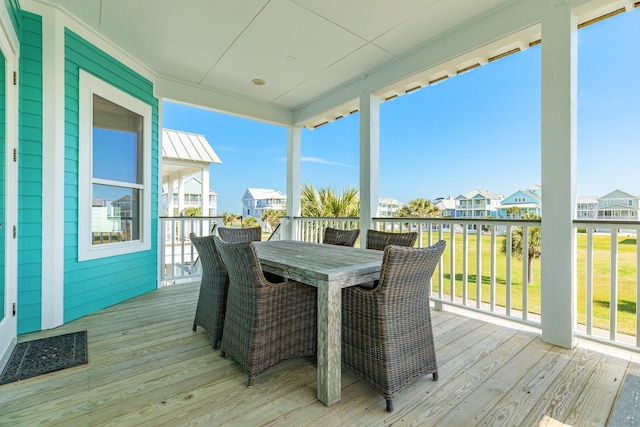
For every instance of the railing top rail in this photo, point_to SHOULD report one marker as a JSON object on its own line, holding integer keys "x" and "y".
{"x": 483, "y": 221}
{"x": 607, "y": 222}
{"x": 329, "y": 218}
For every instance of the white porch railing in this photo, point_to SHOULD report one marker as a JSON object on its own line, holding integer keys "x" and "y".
{"x": 476, "y": 273}
{"x": 176, "y": 252}
{"x": 608, "y": 285}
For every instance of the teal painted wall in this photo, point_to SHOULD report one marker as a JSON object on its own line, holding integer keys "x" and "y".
{"x": 30, "y": 174}
{"x": 92, "y": 285}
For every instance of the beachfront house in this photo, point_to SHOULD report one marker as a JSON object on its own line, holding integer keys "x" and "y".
{"x": 389, "y": 206}
{"x": 256, "y": 201}
{"x": 82, "y": 84}
{"x": 526, "y": 202}
{"x": 478, "y": 204}
{"x": 587, "y": 207}
{"x": 188, "y": 194}
{"x": 618, "y": 205}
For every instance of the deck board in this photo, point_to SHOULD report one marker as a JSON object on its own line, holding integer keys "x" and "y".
{"x": 147, "y": 367}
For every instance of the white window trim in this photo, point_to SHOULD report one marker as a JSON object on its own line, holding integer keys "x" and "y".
{"x": 88, "y": 86}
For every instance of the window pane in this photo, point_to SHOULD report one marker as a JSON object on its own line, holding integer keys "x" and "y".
{"x": 117, "y": 142}
{"x": 115, "y": 214}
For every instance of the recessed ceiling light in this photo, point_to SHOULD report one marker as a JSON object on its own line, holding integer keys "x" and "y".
{"x": 259, "y": 82}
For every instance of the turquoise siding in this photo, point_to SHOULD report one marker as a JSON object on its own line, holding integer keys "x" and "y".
{"x": 92, "y": 285}
{"x": 30, "y": 174}
{"x": 3, "y": 125}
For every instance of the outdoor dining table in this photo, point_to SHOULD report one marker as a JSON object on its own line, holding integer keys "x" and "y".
{"x": 329, "y": 268}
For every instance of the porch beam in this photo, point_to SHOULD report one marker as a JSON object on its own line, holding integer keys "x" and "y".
{"x": 369, "y": 162}
{"x": 559, "y": 115}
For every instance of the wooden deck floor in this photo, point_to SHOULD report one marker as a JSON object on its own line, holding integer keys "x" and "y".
{"x": 146, "y": 367}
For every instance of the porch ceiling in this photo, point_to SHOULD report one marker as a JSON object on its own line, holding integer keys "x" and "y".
{"x": 303, "y": 49}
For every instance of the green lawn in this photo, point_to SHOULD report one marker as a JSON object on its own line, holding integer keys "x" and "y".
{"x": 601, "y": 278}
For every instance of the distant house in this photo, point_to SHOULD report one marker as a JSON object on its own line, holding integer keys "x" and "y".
{"x": 528, "y": 201}
{"x": 257, "y": 200}
{"x": 587, "y": 207}
{"x": 446, "y": 206}
{"x": 184, "y": 156}
{"x": 387, "y": 207}
{"x": 478, "y": 204}
{"x": 618, "y": 205}
{"x": 191, "y": 198}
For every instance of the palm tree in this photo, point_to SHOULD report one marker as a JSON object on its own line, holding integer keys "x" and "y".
{"x": 249, "y": 222}
{"x": 228, "y": 218}
{"x": 533, "y": 251}
{"x": 513, "y": 211}
{"x": 326, "y": 203}
{"x": 418, "y": 208}
{"x": 272, "y": 216}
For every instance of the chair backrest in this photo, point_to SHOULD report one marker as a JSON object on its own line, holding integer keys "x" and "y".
{"x": 236, "y": 235}
{"x": 243, "y": 265}
{"x": 407, "y": 271}
{"x": 208, "y": 253}
{"x": 333, "y": 236}
{"x": 381, "y": 239}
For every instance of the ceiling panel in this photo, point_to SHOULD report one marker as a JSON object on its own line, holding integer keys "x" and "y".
{"x": 182, "y": 40}
{"x": 368, "y": 19}
{"x": 285, "y": 45}
{"x": 432, "y": 22}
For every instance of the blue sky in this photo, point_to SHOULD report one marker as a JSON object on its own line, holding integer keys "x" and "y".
{"x": 480, "y": 129}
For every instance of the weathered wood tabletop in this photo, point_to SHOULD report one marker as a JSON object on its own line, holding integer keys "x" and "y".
{"x": 329, "y": 268}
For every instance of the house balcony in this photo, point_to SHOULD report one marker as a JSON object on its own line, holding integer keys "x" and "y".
{"x": 147, "y": 367}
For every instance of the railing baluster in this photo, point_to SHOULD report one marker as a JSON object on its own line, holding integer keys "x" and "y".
{"x": 441, "y": 268}
{"x": 493, "y": 270}
{"x": 525, "y": 272}
{"x": 479, "y": 267}
{"x": 589, "y": 281}
{"x": 508, "y": 271}
{"x": 465, "y": 265}
{"x": 452, "y": 250}
{"x": 613, "y": 301}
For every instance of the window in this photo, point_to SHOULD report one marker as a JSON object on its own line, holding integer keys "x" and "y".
{"x": 114, "y": 171}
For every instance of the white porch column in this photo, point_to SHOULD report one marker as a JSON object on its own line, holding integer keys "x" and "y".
{"x": 294, "y": 136}
{"x": 369, "y": 162}
{"x": 181, "y": 196}
{"x": 559, "y": 114}
{"x": 204, "y": 178}
{"x": 53, "y": 169}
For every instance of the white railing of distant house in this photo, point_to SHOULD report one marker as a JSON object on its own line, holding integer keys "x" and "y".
{"x": 179, "y": 257}
{"x": 608, "y": 285}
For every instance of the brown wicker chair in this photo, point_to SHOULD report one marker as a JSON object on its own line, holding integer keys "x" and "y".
{"x": 213, "y": 289}
{"x": 386, "y": 331}
{"x": 381, "y": 239}
{"x": 334, "y": 236}
{"x": 265, "y": 322}
{"x": 236, "y": 235}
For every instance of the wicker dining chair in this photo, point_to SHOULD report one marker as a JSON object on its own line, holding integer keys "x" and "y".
{"x": 214, "y": 283}
{"x": 265, "y": 322}
{"x": 334, "y": 236}
{"x": 236, "y": 235}
{"x": 381, "y": 239}
{"x": 386, "y": 331}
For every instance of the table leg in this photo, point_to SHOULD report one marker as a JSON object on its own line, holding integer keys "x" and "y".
{"x": 329, "y": 342}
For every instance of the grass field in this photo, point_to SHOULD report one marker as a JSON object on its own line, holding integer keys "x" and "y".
{"x": 601, "y": 278}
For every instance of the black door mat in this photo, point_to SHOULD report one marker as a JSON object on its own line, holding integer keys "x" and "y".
{"x": 32, "y": 358}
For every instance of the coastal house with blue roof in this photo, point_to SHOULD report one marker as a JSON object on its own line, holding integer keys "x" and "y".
{"x": 526, "y": 202}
